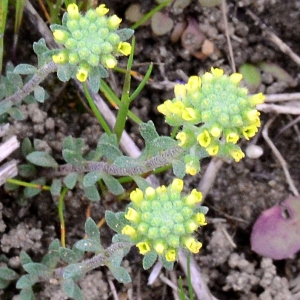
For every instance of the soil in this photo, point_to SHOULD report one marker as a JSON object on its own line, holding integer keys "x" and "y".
{"x": 241, "y": 191}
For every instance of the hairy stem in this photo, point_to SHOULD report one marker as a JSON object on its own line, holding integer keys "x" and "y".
{"x": 37, "y": 78}
{"x": 161, "y": 160}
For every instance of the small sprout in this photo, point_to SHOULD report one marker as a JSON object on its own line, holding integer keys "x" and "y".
{"x": 254, "y": 151}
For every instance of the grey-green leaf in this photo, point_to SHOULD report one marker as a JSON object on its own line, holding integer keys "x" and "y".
{"x": 72, "y": 157}
{"x": 95, "y": 79}
{"x": 116, "y": 221}
{"x": 30, "y": 192}
{"x": 8, "y": 274}
{"x": 42, "y": 159}
{"x": 16, "y": 113}
{"x": 91, "y": 178}
{"x": 65, "y": 72}
{"x": 70, "y": 256}
{"x": 74, "y": 271}
{"x": 39, "y": 94}
{"x": 37, "y": 269}
{"x": 120, "y": 274}
{"x": 92, "y": 193}
{"x": 72, "y": 290}
{"x": 88, "y": 245}
{"x": 25, "y": 69}
{"x": 5, "y": 106}
{"x": 70, "y": 180}
{"x": 25, "y": 258}
{"x": 113, "y": 184}
{"x": 26, "y": 294}
{"x": 26, "y": 147}
{"x": 178, "y": 168}
{"x": 55, "y": 187}
{"x": 26, "y": 281}
{"x": 92, "y": 230}
{"x": 125, "y": 34}
{"x": 149, "y": 259}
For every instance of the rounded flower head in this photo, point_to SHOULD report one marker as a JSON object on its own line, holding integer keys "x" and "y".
{"x": 162, "y": 220}
{"x": 216, "y": 109}
{"x": 92, "y": 39}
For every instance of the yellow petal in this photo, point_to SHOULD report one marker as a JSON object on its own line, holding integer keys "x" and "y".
{"x": 193, "y": 84}
{"x": 129, "y": 230}
{"x": 171, "y": 255}
{"x": 204, "y": 138}
{"x": 237, "y": 154}
{"x": 193, "y": 198}
{"x": 101, "y": 10}
{"x": 136, "y": 196}
{"x": 217, "y": 72}
{"x": 124, "y": 48}
{"x": 200, "y": 218}
{"x": 192, "y": 244}
{"x": 235, "y": 78}
{"x": 177, "y": 185}
{"x": 143, "y": 247}
{"x": 132, "y": 215}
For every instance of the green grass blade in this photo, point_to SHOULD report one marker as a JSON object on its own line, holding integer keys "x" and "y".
{"x": 3, "y": 15}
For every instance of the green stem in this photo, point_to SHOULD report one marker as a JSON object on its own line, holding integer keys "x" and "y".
{"x": 95, "y": 110}
{"x": 125, "y": 99}
{"x": 61, "y": 201}
{"x": 28, "y": 184}
{"x": 161, "y": 160}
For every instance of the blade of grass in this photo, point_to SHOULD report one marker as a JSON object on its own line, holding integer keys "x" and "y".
{"x": 115, "y": 101}
{"x": 3, "y": 15}
{"x": 20, "y": 4}
{"x": 150, "y": 14}
{"x": 142, "y": 83}
{"x": 125, "y": 99}
{"x": 95, "y": 110}
{"x": 61, "y": 205}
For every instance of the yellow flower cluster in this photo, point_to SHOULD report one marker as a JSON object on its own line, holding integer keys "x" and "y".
{"x": 214, "y": 113}
{"x": 162, "y": 220}
{"x": 90, "y": 40}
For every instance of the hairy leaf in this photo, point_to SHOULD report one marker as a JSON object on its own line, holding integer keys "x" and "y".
{"x": 149, "y": 259}
{"x": 70, "y": 256}
{"x": 91, "y": 178}
{"x": 113, "y": 184}
{"x": 95, "y": 79}
{"x": 120, "y": 274}
{"x": 116, "y": 221}
{"x": 26, "y": 281}
{"x": 25, "y": 69}
{"x": 72, "y": 157}
{"x": 92, "y": 193}
{"x": 8, "y": 274}
{"x": 55, "y": 187}
{"x": 70, "y": 180}
{"x": 39, "y": 94}
{"x": 42, "y": 159}
{"x": 125, "y": 34}
{"x": 72, "y": 290}
{"x": 30, "y": 191}
{"x": 26, "y": 294}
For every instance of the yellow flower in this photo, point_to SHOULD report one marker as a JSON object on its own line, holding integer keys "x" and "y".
{"x": 235, "y": 78}
{"x": 190, "y": 169}
{"x": 237, "y": 154}
{"x": 200, "y": 218}
{"x": 73, "y": 11}
{"x": 176, "y": 107}
{"x": 252, "y": 115}
{"x": 249, "y": 131}
{"x": 124, "y": 48}
{"x": 180, "y": 91}
{"x": 191, "y": 226}
{"x": 143, "y": 247}
{"x": 193, "y": 198}
{"x": 150, "y": 192}
{"x": 217, "y": 72}
{"x": 164, "y": 108}
{"x": 215, "y": 131}
{"x": 60, "y": 35}
{"x": 136, "y": 196}
{"x": 132, "y": 215}
{"x": 160, "y": 247}
{"x": 232, "y": 137}
{"x": 60, "y": 58}
{"x": 212, "y": 150}
{"x": 101, "y": 10}
{"x": 129, "y": 230}
{"x": 114, "y": 21}
{"x": 193, "y": 84}
{"x": 82, "y": 73}
{"x": 161, "y": 189}
{"x": 257, "y": 99}
{"x": 177, "y": 185}
{"x": 182, "y": 136}
{"x": 192, "y": 244}
{"x": 110, "y": 62}
{"x": 189, "y": 114}
{"x": 204, "y": 138}
{"x": 171, "y": 255}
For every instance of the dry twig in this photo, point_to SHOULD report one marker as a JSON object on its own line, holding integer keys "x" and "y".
{"x": 279, "y": 157}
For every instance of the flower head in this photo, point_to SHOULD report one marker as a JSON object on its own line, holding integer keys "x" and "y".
{"x": 162, "y": 220}
{"x": 92, "y": 39}
{"x": 215, "y": 111}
